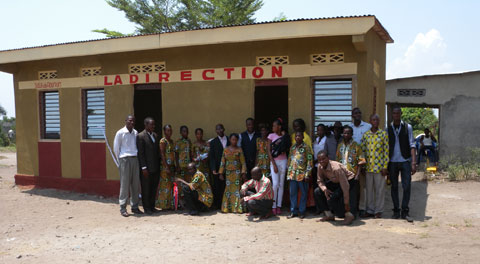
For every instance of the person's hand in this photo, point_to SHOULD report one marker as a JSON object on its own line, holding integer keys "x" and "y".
{"x": 306, "y": 179}
{"x": 215, "y": 172}
{"x": 328, "y": 193}
{"x": 191, "y": 187}
{"x": 220, "y": 176}
{"x": 243, "y": 192}
{"x": 275, "y": 168}
{"x": 384, "y": 172}
{"x": 145, "y": 173}
{"x": 414, "y": 168}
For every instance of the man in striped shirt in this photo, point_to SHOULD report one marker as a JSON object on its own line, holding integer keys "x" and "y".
{"x": 261, "y": 201}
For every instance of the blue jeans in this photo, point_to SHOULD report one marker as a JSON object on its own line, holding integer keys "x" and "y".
{"x": 405, "y": 168}
{"x": 294, "y": 186}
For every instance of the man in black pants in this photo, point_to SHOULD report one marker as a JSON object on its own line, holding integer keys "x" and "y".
{"x": 215, "y": 155}
{"x": 198, "y": 194}
{"x": 248, "y": 142}
{"x": 336, "y": 191}
{"x": 261, "y": 200}
{"x": 149, "y": 162}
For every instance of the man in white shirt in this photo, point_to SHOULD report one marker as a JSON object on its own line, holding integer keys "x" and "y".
{"x": 125, "y": 148}
{"x": 359, "y": 128}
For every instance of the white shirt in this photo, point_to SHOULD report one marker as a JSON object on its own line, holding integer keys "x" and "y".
{"x": 223, "y": 140}
{"x": 125, "y": 143}
{"x": 397, "y": 152}
{"x": 151, "y": 136}
{"x": 240, "y": 138}
{"x": 358, "y": 131}
{"x": 318, "y": 146}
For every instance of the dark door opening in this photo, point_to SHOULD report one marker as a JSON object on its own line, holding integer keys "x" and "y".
{"x": 147, "y": 102}
{"x": 271, "y": 102}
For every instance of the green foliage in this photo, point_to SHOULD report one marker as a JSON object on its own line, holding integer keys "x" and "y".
{"x": 463, "y": 169}
{"x": 420, "y": 118}
{"x": 154, "y": 16}
{"x": 2, "y": 111}
{"x": 280, "y": 17}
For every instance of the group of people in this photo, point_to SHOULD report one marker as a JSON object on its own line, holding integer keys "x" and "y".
{"x": 344, "y": 167}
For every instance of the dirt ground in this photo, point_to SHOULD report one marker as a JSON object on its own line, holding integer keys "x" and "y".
{"x": 49, "y": 226}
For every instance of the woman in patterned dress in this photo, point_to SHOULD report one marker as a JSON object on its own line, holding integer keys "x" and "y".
{"x": 232, "y": 170}
{"x": 200, "y": 155}
{"x": 264, "y": 154}
{"x": 183, "y": 153}
{"x": 167, "y": 170}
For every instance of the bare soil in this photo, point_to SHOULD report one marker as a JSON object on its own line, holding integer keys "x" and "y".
{"x": 50, "y": 226}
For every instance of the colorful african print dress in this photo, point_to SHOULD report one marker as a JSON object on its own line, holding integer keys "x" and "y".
{"x": 203, "y": 188}
{"x": 201, "y": 153}
{"x": 183, "y": 148}
{"x": 263, "y": 161}
{"x": 165, "y": 187}
{"x": 232, "y": 166}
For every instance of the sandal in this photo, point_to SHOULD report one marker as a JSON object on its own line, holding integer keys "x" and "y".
{"x": 124, "y": 214}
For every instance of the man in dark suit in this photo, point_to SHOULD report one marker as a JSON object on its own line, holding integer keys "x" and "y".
{"x": 248, "y": 142}
{"x": 216, "y": 151}
{"x": 149, "y": 161}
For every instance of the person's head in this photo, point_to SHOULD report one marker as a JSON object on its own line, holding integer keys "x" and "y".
{"x": 322, "y": 158}
{"x": 256, "y": 173}
{"x": 130, "y": 122}
{"x": 167, "y": 131}
{"x": 277, "y": 126}
{"x": 356, "y": 114}
{"x": 220, "y": 130}
{"x": 184, "y": 131}
{"x": 427, "y": 132}
{"x": 149, "y": 124}
{"x": 191, "y": 168}
{"x": 337, "y": 127}
{"x": 321, "y": 130}
{"x": 347, "y": 133}
{"x": 199, "y": 134}
{"x": 263, "y": 130}
{"x": 397, "y": 113}
{"x": 375, "y": 121}
{"x": 299, "y": 125}
{"x": 250, "y": 124}
{"x": 299, "y": 137}
{"x": 233, "y": 139}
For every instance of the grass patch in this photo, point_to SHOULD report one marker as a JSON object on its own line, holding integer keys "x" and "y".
{"x": 424, "y": 235}
{"x": 468, "y": 222}
{"x": 424, "y": 225}
{"x": 11, "y": 148}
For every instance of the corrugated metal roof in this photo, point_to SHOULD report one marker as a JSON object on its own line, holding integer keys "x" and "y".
{"x": 380, "y": 30}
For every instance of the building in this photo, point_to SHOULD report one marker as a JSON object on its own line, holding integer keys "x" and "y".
{"x": 457, "y": 97}
{"x": 68, "y": 94}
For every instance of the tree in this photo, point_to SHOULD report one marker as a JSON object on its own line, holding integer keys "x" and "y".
{"x": 156, "y": 16}
{"x": 420, "y": 118}
{"x": 2, "y": 111}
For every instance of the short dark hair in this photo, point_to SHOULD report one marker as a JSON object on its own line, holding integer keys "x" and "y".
{"x": 198, "y": 129}
{"x": 147, "y": 120}
{"x": 355, "y": 109}
{"x": 234, "y": 135}
{"x": 301, "y": 124}
{"x": 395, "y": 107}
{"x": 167, "y": 126}
{"x": 348, "y": 127}
{"x": 321, "y": 125}
{"x": 249, "y": 119}
{"x": 323, "y": 152}
{"x": 262, "y": 125}
{"x": 220, "y": 125}
{"x": 183, "y": 127}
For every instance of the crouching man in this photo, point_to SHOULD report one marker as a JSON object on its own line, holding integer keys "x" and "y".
{"x": 336, "y": 189}
{"x": 198, "y": 194}
{"x": 259, "y": 202}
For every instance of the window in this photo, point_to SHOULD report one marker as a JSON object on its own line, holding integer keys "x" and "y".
{"x": 94, "y": 114}
{"x": 332, "y": 101}
{"x": 50, "y": 119}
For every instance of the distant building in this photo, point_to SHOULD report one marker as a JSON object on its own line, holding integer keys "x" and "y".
{"x": 458, "y": 98}
{"x": 68, "y": 94}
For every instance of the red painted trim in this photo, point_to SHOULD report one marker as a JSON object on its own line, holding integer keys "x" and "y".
{"x": 91, "y": 186}
{"x": 93, "y": 160}
{"x": 49, "y": 159}
{"x": 276, "y": 82}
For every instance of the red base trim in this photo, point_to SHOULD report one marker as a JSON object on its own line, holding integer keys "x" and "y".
{"x": 91, "y": 186}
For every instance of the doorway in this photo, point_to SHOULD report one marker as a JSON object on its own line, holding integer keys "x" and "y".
{"x": 271, "y": 102}
{"x": 147, "y": 102}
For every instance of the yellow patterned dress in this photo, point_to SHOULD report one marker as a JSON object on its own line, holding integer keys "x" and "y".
{"x": 203, "y": 188}
{"x": 165, "y": 187}
{"x": 202, "y": 165}
{"x": 232, "y": 166}
{"x": 263, "y": 161}
{"x": 183, "y": 149}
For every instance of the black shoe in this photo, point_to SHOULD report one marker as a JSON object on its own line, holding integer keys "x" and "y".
{"x": 292, "y": 215}
{"x": 148, "y": 211}
{"x": 124, "y": 213}
{"x": 193, "y": 212}
{"x": 396, "y": 214}
{"x": 366, "y": 215}
{"x": 302, "y": 216}
{"x": 137, "y": 211}
{"x": 155, "y": 210}
{"x": 406, "y": 216}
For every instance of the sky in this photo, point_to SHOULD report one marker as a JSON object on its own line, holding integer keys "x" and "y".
{"x": 431, "y": 37}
